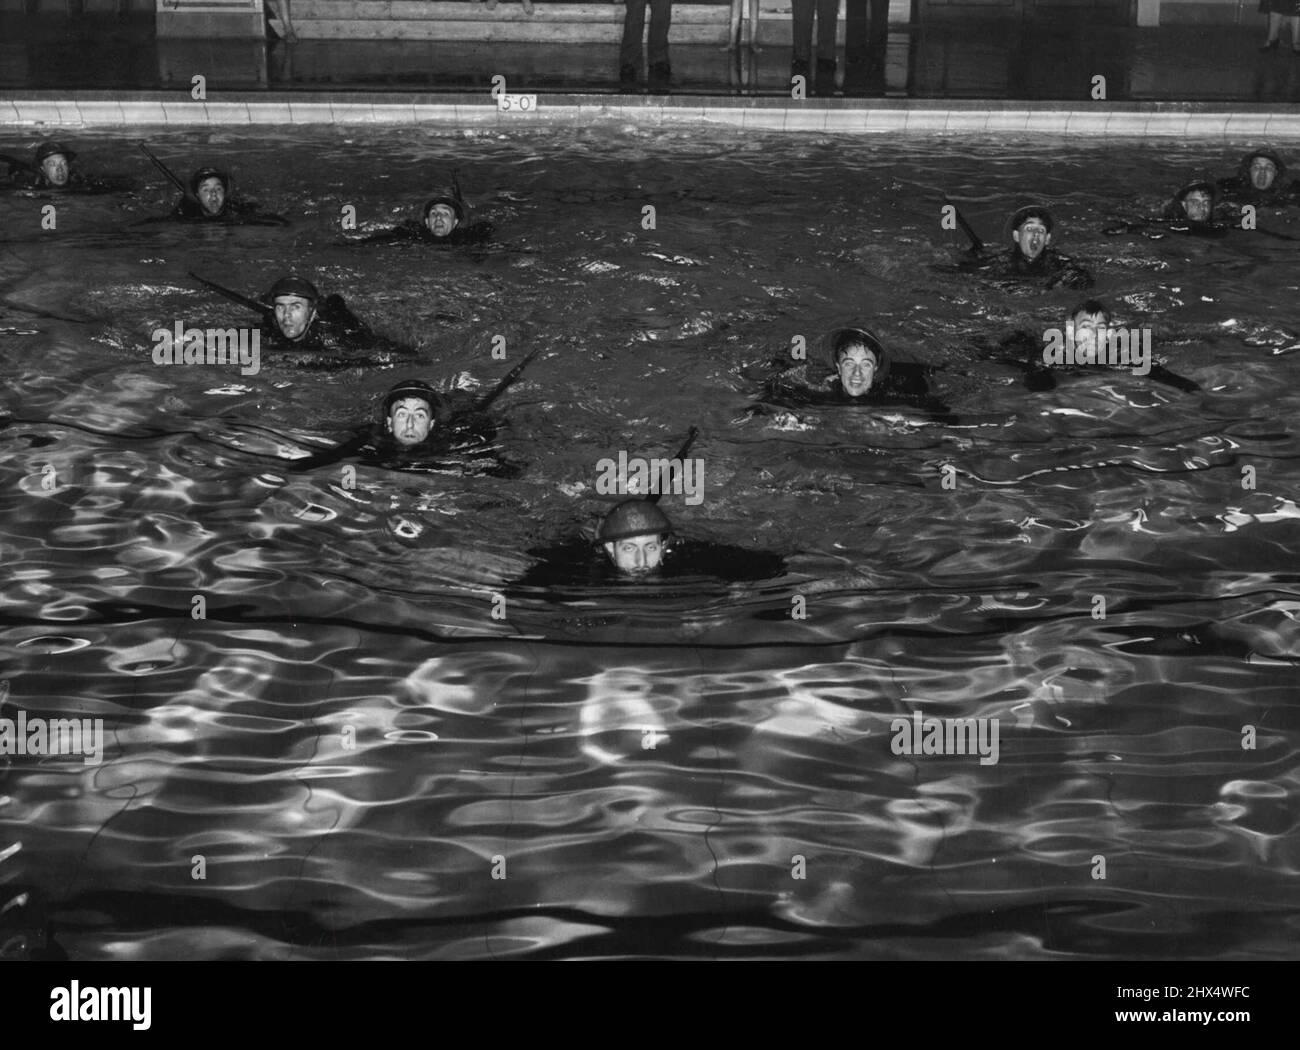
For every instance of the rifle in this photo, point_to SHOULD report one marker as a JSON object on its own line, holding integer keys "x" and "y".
{"x": 482, "y": 403}
{"x": 17, "y": 162}
{"x": 691, "y": 435}
{"x": 171, "y": 175}
{"x": 27, "y": 308}
{"x": 235, "y": 297}
{"x": 975, "y": 243}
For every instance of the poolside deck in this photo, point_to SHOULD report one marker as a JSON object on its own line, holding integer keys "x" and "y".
{"x": 999, "y": 74}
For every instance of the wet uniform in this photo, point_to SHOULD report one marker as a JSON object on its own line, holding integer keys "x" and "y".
{"x": 1050, "y": 269}
{"x": 1024, "y": 350}
{"x": 461, "y": 441}
{"x": 906, "y": 385}
{"x": 1156, "y": 227}
{"x": 22, "y": 179}
{"x": 337, "y": 338}
{"x": 579, "y": 563}
{"x": 233, "y": 213}
{"x": 1174, "y": 218}
{"x": 413, "y": 232}
{"x": 1239, "y": 189}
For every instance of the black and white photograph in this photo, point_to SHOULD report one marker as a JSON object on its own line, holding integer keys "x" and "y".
{"x": 716, "y": 481}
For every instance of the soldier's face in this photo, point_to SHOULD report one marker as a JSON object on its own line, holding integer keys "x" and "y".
{"x": 212, "y": 195}
{"x": 1197, "y": 205}
{"x": 1088, "y": 333}
{"x": 441, "y": 220}
{"x": 1262, "y": 173}
{"x": 637, "y": 555}
{"x": 1032, "y": 238}
{"x": 857, "y": 368}
{"x": 55, "y": 169}
{"x": 409, "y": 420}
{"x": 294, "y": 315}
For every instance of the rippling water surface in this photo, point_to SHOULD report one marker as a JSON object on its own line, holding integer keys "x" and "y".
{"x": 355, "y": 746}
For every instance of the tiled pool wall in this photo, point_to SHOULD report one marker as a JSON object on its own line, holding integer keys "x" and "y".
{"x": 48, "y": 111}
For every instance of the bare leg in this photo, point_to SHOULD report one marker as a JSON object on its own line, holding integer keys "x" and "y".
{"x": 281, "y": 9}
{"x": 733, "y": 34}
{"x": 753, "y": 27}
{"x": 1274, "y": 27}
{"x": 1295, "y": 32}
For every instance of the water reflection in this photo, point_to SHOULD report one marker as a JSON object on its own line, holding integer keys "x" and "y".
{"x": 359, "y": 750}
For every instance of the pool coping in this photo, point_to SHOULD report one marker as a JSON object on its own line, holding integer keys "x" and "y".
{"x": 91, "y": 109}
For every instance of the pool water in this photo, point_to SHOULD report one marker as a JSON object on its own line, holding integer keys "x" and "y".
{"x": 350, "y": 748}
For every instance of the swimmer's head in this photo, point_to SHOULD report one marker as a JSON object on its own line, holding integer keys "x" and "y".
{"x": 410, "y": 411}
{"x": 211, "y": 188}
{"x": 1262, "y": 169}
{"x": 294, "y": 299}
{"x": 635, "y": 536}
{"x": 443, "y": 213}
{"x": 1196, "y": 200}
{"x": 55, "y": 160}
{"x": 1031, "y": 229}
{"x": 1088, "y": 324}
{"x": 859, "y": 359}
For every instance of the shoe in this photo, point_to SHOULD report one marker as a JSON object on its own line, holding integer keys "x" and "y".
{"x": 627, "y": 74}
{"x": 799, "y": 68}
{"x": 1270, "y": 46}
{"x": 661, "y": 75}
{"x": 824, "y": 84}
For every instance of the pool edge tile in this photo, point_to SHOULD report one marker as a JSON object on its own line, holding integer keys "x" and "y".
{"x": 230, "y": 113}
{"x": 33, "y": 111}
{"x": 139, "y": 111}
{"x": 184, "y": 113}
{"x": 926, "y": 121}
{"x": 100, "y": 113}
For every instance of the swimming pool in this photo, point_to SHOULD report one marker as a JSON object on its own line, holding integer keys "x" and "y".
{"x": 359, "y": 751}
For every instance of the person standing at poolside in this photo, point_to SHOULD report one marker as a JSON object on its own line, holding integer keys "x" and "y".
{"x": 1276, "y": 11}
{"x": 629, "y": 55}
{"x": 281, "y": 10}
{"x": 827, "y": 15}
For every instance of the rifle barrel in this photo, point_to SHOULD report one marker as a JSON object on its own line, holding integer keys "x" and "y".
{"x": 505, "y": 383}
{"x": 171, "y": 175}
{"x": 235, "y": 297}
{"x": 975, "y": 241}
{"x": 691, "y": 435}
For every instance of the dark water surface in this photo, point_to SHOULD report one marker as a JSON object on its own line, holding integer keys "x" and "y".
{"x": 351, "y": 741}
